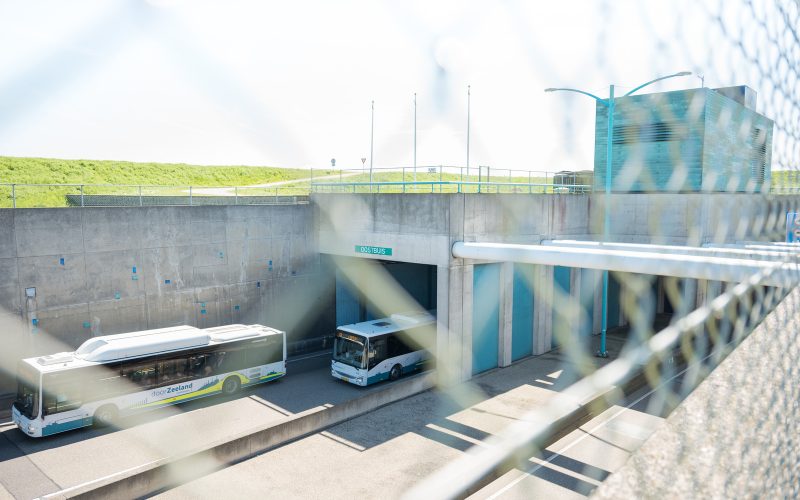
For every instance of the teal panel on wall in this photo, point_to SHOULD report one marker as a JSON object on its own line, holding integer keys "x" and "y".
{"x": 347, "y": 305}
{"x": 485, "y": 316}
{"x": 522, "y": 312}
{"x": 587, "y": 287}
{"x": 561, "y": 277}
{"x": 614, "y": 291}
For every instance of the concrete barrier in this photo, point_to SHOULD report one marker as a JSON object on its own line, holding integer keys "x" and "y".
{"x": 160, "y": 474}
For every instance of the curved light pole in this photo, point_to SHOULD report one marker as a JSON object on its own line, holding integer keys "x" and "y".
{"x": 609, "y": 103}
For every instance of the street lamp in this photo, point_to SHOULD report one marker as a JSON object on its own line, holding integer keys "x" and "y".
{"x": 609, "y": 103}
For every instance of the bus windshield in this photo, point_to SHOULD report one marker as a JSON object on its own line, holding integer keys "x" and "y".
{"x": 27, "y": 401}
{"x": 349, "y": 349}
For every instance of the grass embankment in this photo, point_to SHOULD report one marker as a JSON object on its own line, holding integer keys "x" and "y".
{"x": 785, "y": 181}
{"x": 102, "y": 172}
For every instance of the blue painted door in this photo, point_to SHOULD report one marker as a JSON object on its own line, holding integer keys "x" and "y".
{"x": 347, "y": 305}
{"x": 561, "y": 277}
{"x": 587, "y": 286}
{"x": 485, "y": 316}
{"x": 522, "y": 312}
{"x": 614, "y": 291}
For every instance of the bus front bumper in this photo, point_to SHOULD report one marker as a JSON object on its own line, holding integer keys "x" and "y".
{"x": 24, "y": 424}
{"x": 348, "y": 377}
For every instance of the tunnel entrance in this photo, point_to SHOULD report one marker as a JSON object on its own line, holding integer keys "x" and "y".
{"x": 354, "y": 304}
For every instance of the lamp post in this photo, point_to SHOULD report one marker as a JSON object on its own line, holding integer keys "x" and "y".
{"x": 468, "y": 110}
{"x": 415, "y": 139}
{"x": 609, "y": 103}
{"x": 371, "y": 141}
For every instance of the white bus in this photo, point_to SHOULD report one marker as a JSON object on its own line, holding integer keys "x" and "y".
{"x": 116, "y": 375}
{"x": 382, "y": 349}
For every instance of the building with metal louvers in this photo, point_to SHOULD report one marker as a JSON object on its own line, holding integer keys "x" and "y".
{"x": 709, "y": 140}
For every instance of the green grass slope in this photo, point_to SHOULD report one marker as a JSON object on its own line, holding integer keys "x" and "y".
{"x": 54, "y": 171}
{"x": 177, "y": 176}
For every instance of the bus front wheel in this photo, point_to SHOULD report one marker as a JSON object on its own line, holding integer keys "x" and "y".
{"x": 105, "y": 416}
{"x": 231, "y": 386}
{"x": 395, "y": 373}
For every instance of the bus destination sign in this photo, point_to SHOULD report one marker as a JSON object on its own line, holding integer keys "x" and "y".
{"x": 373, "y": 250}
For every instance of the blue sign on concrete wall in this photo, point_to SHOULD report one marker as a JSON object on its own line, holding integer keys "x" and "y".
{"x": 793, "y": 227}
{"x": 373, "y": 250}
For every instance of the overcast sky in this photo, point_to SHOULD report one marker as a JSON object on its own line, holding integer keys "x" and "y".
{"x": 289, "y": 83}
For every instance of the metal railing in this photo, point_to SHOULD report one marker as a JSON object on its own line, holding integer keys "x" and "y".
{"x": 449, "y": 187}
{"x": 118, "y": 195}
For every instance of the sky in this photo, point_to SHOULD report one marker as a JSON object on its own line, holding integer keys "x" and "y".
{"x": 291, "y": 84}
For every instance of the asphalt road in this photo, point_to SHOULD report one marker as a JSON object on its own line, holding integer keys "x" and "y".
{"x": 33, "y": 467}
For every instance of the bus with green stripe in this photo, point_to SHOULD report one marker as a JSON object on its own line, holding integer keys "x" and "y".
{"x": 383, "y": 349}
{"x": 112, "y": 376}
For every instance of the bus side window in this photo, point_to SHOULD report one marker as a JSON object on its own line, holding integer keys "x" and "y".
{"x": 171, "y": 371}
{"x": 61, "y": 395}
{"x": 397, "y": 347}
{"x": 377, "y": 352}
{"x": 143, "y": 376}
{"x": 197, "y": 365}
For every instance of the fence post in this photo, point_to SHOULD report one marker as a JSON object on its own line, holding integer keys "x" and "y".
{"x": 235, "y": 195}
{"x": 276, "y": 195}
{"x": 140, "y": 196}
{"x": 81, "y": 194}
{"x": 440, "y": 178}
{"x": 190, "y": 196}
{"x": 13, "y": 196}
{"x": 530, "y": 188}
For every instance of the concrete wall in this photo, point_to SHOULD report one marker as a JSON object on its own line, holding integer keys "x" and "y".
{"x": 109, "y": 270}
{"x": 422, "y": 228}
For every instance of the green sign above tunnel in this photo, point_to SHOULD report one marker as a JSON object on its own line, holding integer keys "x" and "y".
{"x": 373, "y": 250}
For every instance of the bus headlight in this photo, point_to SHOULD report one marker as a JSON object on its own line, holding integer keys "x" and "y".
{"x": 30, "y": 428}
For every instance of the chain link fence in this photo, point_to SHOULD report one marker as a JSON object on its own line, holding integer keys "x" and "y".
{"x": 703, "y": 175}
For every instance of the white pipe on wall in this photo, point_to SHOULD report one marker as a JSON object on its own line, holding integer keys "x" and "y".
{"x": 711, "y": 250}
{"x": 781, "y": 274}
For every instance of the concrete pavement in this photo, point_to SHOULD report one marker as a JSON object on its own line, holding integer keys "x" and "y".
{"x": 384, "y": 452}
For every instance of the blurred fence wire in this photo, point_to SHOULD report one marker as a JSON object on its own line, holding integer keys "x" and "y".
{"x": 755, "y": 43}
{"x": 701, "y": 175}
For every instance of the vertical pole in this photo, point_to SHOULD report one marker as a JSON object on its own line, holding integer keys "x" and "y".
{"x": 415, "y": 139}
{"x": 13, "y": 196}
{"x": 190, "y": 195}
{"x": 81, "y": 194}
{"x": 140, "y": 196}
{"x": 468, "y": 116}
{"x": 236, "y": 195}
{"x": 440, "y": 178}
{"x": 371, "y": 142}
{"x": 404, "y": 177}
{"x": 603, "y": 353}
{"x": 530, "y": 188}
